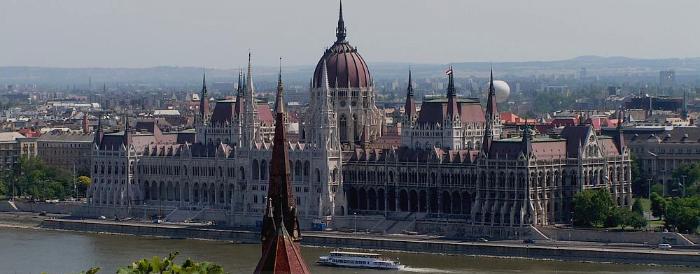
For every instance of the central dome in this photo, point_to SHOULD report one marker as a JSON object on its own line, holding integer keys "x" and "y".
{"x": 346, "y": 68}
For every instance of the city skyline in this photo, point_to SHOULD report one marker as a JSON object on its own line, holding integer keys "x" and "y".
{"x": 219, "y": 35}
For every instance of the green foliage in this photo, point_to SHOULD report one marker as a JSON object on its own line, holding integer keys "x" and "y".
{"x": 84, "y": 183}
{"x": 658, "y": 205}
{"x": 637, "y": 221}
{"x": 683, "y": 214}
{"x": 4, "y": 188}
{"x": 639, "y": 184}
{"x": 169, "y": 266}
{"x": 658, "y": 189}
{"x": 637, "y": 207}
{"x": 689, "y": 174}
{"x": 592, "y": 207}
{"x": 38, "y": 181}
{"x": 618, "y": 216}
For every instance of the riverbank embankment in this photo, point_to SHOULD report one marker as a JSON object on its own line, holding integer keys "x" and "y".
{"x": 566, "y": 251}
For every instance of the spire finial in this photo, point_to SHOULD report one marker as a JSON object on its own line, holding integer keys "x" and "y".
{"x": 279, "y": 98}
{"x": 410, "y": 82}
{"x": 341, "y": 32}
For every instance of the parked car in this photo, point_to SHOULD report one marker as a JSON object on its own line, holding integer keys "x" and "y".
{"x": 483, "y": 240}
{"x": 665, "y": 246}
{"x": 529, "y": 241}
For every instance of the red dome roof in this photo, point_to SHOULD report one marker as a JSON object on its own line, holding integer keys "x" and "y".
{"x": 346, "y": 68}
{"x": 345, "y": 65}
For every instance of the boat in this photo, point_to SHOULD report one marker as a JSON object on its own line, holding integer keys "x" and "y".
{"x": 358, "y": 260}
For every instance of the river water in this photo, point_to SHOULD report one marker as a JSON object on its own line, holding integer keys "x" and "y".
{"x": 36, "y": 251}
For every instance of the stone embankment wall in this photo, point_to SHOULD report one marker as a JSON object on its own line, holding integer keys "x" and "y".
{"x": 395, "y": 244}
{"x": 55, "y": 208}
{"x": 635, "y": 237}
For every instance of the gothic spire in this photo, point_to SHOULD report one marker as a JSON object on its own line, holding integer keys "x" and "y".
{"x": 98, "y": 132}
{"x": 527, "y": 140}
{"x": 249, "y": 88}
{"x": 279, "y": 98}
{"x": 452, "y": 110}
{"x": 410, "y": 107}
{"x": 126, "y": 131}
{"x": 325, "y": 96}
{"x": 280, "y": 184}
{"x": 204, "y": 98}
{"x": 684, "y": 111}
{"x": 340, "y": 31}
{"x": 490, "y": 116}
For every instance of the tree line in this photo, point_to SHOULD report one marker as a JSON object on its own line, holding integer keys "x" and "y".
{"x": 34, "y": 180}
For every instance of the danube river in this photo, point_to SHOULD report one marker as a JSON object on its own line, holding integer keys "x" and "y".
{"x": 36, "y": 251}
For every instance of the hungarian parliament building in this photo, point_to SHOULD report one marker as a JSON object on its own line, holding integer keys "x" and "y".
{"x": 453, "y": 161}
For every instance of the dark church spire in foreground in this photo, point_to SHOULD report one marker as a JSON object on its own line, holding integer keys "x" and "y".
{"x": 280, "y": 230}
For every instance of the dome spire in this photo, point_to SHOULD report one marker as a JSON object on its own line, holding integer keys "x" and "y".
{"x": 341, "y": 32}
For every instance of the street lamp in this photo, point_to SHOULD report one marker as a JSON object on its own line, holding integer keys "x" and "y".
{"x": 354, "y": 217}
{"x": 656, "y": 171}
{"x": 682, "y": 185}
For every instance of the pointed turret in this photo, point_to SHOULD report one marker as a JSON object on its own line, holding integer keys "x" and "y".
{"x": 340, "y": 31}
{"x": 326, "y": 89}
{"x": 490, "y": 117}
{"x": 279, "y": 102}
{"x": 410, "y": 107}
{"x": 527, "y": 141}
{"x": 619, "y": 135}
{"x": 98, "y": 133}
{"x": 249, "y": 88}
{"x": 684, "y": 111}
{"x": 204, "y": 100}
{"x": 126, "y": 131}
{"x": 452, "y": 110}
{"x": 239, "y": 94}
{"x": 86, "y": 125}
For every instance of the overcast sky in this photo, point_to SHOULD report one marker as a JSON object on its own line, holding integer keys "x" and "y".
{"x": 131, "y": 33}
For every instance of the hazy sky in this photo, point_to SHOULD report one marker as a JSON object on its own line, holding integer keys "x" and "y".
{"x": 130, "y": 33}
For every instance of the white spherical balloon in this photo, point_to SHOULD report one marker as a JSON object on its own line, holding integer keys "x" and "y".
{"x": 502, "y": 90}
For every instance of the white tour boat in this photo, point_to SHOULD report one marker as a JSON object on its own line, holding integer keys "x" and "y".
{"x": 358, "y": 260}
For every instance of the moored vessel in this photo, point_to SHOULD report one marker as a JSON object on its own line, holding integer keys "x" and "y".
{"x": 358, "y": 260}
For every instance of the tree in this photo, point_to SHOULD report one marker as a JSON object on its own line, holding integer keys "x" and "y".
{"x": 84, "y": 183}
{"x": 658, "y": 205}
{"x": 592, "y": 207}
{"x": 683, "y": 214}
{"x": 637, "y": 221}
{"x": 637, "y": 207}
{"x": 688, "y": 175}
{"x": 618, "y": 216}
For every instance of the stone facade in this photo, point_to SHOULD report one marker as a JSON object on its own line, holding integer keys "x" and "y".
{"x": 67, "y": 151}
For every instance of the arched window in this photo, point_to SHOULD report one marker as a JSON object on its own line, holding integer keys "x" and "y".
{"x": 263, "y": 170}
{"x": 256, "y": 170}
{"x": 334, "y": 175}
{"x": 318, "y": 175}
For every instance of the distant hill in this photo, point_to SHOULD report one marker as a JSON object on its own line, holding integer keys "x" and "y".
{"x": 299, "y": 75}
